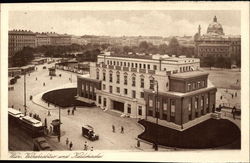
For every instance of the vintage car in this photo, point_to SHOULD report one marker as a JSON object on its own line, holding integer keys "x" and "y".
{"x": 88, "y": 132}
{"x": 41, "y": 144}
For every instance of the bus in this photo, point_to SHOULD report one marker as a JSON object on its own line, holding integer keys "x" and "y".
{"x": 14, "y": 116}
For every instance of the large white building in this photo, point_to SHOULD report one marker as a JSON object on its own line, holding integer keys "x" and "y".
{"x": 126, "y": 85}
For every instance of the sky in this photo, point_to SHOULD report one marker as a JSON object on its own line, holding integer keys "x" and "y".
{"x": 125, "y": 23}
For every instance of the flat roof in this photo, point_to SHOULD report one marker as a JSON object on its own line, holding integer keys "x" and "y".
{"x": 189, "y": 74}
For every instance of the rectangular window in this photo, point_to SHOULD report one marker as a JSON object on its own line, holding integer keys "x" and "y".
{"x": 129, "y": 108}
{"x": 110, "y": 77}
{"x": 189, "y": 87}
{"x": 165, "y": 106}
{"x": 140, "y": 65}
{"x": 202, "y": 83}
{"x": 150, "y": 103}
{"x": 117, "y": 78}
{"x": 125, "y": 63}
{"x": 118, "y": 89}
{"x": 172, "y": 108}
{"x": 133, "y": 81}
{"x": 133, "y": 94}
{"x": 142, "y": 82}
{"x": 100, "y": 99}
{"x": 155, "y": 67}
{"x": 136, "y": 65}
{"x": 97, "y": 75}
{"x": 104, "y": 102}
{"x": 151, "y": 84}
{"x": 132, "y": 64}
{"x": 104, "y": 76}
{"x": 125, "y": 91}
{"x": 140, "y": 110}
{"x": 110, "y": 89}
{"x": 128, "y": 64}
{"x": 142, "y": 94}
{"x": 194, "y": 85}
{"x": 149, "y": 66}
{"x": 144, "y": 66}
{"x": 125, "y": 80}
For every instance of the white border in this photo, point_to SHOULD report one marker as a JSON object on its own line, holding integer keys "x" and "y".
{"x": 184, "y": 156}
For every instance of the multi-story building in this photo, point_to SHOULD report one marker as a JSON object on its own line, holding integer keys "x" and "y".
{"x": 215, "y": 43}
{"x": 170, "y": 89}
{"x": 42, "y": 39}
{"x": 19, "y": 39}
{"x": 59, "y": 39}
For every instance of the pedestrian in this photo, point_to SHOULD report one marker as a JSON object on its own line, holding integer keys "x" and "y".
{"x": 72, "y": 111}
{"x": 30, "y": 114}
{"x": 232, "y": 95}
{"x": 67, "y": 142}
{"x": 48, "y": 104}
{"x": 36, "y": 78}
{"x": 58, "y": 138}
{"x": 91, "y": 148}
{"x": 13, "y": 107}
{"x": 50, "y": 129}
{"x": 70, "y": 145}
{"x": 43, "y": 83}
{"x": 235, "y": 94}
{"x": 19, "y": 109}
{"x": 85, "y": 146}
{"x": 49, "y": 113}
{"x": 113, "y": 128}
{"x": 138, "y": 143}
{"x": 122, "y": 129}
{"x": 74, "y": 108}
{"x": 68, "y": 111}
{"x": 221, "y": 97}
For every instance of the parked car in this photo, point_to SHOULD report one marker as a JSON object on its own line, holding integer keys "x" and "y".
{"x": 13, "y": 81}
{"x": 44, "y": 67}
{"x": 41, "y": 144}
{"x": 88, "y": 132}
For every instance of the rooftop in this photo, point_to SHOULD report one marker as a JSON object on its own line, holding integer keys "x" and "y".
{"x": 189, "y": 74}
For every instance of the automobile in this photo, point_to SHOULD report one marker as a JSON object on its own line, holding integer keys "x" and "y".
{"x": 44, "y": 67}
{"x": 13, "y": 81}
{"x": 41, "y": 144}
{"x": 88, "y": 132}
{"x": 17, "y": 77}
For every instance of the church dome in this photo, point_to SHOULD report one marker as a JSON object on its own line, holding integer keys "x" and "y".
{"x": 215, "y": 28}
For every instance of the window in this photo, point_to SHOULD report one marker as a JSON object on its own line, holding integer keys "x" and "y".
{"x": 129, "y": 108}
{"x": 133, "y": 81}
{"x": 125, "y": 91}
{"x": 207, "y": 99}
{"x": 104, "y": 102}
{"x": 139, "y": 110}
{"x": 104, "y": 76}
{"x": 149, "y": 66}
{"x": 151, "y": 84}
{"x": 97, "y": 75}
{"x": 199, "y": 84}
{"x": 142, "y": 82}
{"x": 128, "y": 64}
{"x": 165, "y": 106}
{"x": 133, "y": 94}
{"x": 172, "y": 108}
{"x": 110, "y": 77}
{"x": 194, "y": 85}
{"x": 100, "y": 99}
{"x": 203, "y": 83}
{"x": 144, "y": 66}
{"x": 125, "y": 63}
{"x": 150, "y": 103}
{"x": 117, "y": 78}
{"x": 132, "y": 64}
{"x": 142, "y": 94}
{"x": 155, "y": 67}
{"x": 139, "y": 65}
{"x": 125, "y": 80}
{"x": 136, "y": 65}
{"x": 189, "y": 87}
{"x": 110, "y": 89}
{"x": 118, "y": 89}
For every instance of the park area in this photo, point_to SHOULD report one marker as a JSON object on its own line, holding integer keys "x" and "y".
{"x": 208, "y": 134}
{"x": 63, "y": 98}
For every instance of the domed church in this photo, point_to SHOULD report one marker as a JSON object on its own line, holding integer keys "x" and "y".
{"x": 215, "y": 43}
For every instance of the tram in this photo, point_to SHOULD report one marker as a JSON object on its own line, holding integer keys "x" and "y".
{"x": 29, "y": 124}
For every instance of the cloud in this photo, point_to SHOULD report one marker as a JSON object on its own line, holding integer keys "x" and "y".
{"x": 152, "y": 23}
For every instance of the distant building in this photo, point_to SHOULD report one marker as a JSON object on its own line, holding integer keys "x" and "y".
{"x": 18, "y": 39}
{"x": 59, "y": 39}
{"x": 216, "y": 44}
{"x": 128, "y": 84}
{"x": 42, "y": 39}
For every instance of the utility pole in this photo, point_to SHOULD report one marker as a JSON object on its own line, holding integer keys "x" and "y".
{"x": 25, "y": 91}
{"x": 59, "y": 122}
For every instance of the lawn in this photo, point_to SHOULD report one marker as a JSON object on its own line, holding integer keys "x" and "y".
{"x": 208, "y": 134}
{"x": 63, "y": 98}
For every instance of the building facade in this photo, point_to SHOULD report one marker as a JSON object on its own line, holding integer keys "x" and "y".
{"x": 172, "y": 90}
{"x": 216, "y": 44}
{"x": 42, "y": 39}
{"x": 18, "y": 39}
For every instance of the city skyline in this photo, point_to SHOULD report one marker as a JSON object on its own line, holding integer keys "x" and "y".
{"x": 124, "y": 23}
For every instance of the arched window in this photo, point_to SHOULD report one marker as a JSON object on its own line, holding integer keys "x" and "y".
{"x": 111, "y": 76}
{"x": 133, "y": 80}
{"x": 142, "y": 81}
{"x": 125, "y": 78}
{"x": 118, "y": 77}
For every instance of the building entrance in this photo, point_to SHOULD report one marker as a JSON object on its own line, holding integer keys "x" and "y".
{"x": 118, "y": 106}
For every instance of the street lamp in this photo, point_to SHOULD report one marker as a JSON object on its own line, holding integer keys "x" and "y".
{"x": 24, "y": 91}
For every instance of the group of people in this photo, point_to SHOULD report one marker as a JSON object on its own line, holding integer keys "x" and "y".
{"x": 73, "y": 111}
{"x": 113, "y": 129}
{"x": 86, "y": 147}
{"x": 69, "y": 145}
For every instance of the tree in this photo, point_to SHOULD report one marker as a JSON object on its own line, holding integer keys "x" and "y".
{"x": 174, "y": 46}
{"x": 208, "y": 61}
{"x": 23, "y": 57}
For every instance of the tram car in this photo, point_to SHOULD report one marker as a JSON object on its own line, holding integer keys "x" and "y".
{"x": 28, "y": 124}
{"x": 14, "y": 116}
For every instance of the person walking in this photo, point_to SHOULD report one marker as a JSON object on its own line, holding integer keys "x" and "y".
{"x": 235, "y": 94}
{"x": 48, "y": 104}
{"x": 68, "y": 111}
{"x": 43, "y": 83}
{"x": 36, "y": 78}
{"x": 67, "y": 142}
{"x": 122, "y": 129}
{"x": 85, "y": 146}
{"x": 73, "y": 111}
{"x": 232, "y": 95}
{"x": 138, "y": 143}
{"x": 49, "y": 113}
{"x": 113, "y": 128}
{"x": 70, "y": 145}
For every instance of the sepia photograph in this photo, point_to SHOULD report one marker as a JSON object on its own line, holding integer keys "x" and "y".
{"x": 124, "y": 80}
